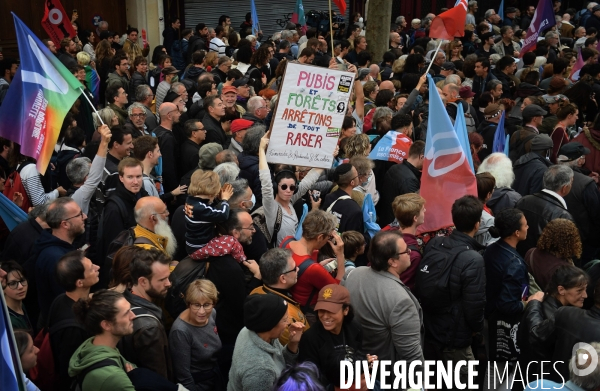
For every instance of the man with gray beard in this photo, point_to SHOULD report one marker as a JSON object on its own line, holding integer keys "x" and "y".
{"x": 152, "y": 229}
{"x": 500, "y": 166}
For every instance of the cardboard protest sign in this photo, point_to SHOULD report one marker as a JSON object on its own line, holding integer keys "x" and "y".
{"x": 309, "y": 116}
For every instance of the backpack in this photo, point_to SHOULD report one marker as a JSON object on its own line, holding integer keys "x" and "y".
{"x": 258, "y": 217}
{"x": 154, "y": 79}
{"x": 186, "y": 272}
{"x": 77, "y": 384}
{"x": 433, "y": 276}
{"x": 125, "y": 238}
{"x": 469, "y": 120}
{"x": 44, "y": 373}
{"x": 15, "y": 185}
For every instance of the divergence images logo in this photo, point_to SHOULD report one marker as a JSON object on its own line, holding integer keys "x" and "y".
{"x": 584, "y": 359}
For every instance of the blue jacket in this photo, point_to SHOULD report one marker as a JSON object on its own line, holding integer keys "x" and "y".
{"x": 49, "y": 249}
{"x": 506, "y": 279}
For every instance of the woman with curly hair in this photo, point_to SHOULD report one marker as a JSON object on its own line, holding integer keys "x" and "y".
{"x": 358, "y": 145}
{"x": 558, "y": 245}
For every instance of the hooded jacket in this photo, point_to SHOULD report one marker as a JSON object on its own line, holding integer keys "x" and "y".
{"x": 49, "y": 249}
{"x": 455, "y": 326}
{"x": 108, "y": 378}
{"x": 115, "y": 79}
{"x": 502, "y": 198}
{"x": 529, "y": 173}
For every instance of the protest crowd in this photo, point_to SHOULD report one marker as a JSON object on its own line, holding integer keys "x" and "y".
{"x": 164, "y": 250}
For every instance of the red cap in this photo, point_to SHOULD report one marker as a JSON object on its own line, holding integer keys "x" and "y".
{"x": 227, "y": 89}
{"x": 240, "y": 124}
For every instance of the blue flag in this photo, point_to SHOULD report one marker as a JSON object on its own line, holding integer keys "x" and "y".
{"x": 460, "y": 127}
{"x": 501, "y": 10}
{"x": 10, "y": 213}
{"x": 500, "y": 136}
{"x": 255, "y": 24}
{"x": 11, "y": 378}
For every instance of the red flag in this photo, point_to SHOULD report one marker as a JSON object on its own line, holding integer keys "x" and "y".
{"x": 451, "y": 23}
{"x": 341, "y": 4}
{"x": 56, "y": 22}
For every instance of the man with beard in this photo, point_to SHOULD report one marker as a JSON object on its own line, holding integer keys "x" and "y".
{"x": 229, "y": 278}
{"x": 66, "y": 221}
{"x": 108, "y": 316}
{"x": 147, "y": 346}
{"x": 151, "y": 216}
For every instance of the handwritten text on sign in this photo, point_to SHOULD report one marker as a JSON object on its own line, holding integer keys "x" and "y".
{"x": 309, "y": 116}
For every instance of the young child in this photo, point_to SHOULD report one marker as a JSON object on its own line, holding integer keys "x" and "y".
{"x": 201, "y": 213}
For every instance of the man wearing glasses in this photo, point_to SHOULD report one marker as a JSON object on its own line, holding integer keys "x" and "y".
{"x": 136, "y": 122}
{"x": 229, "y": 278}
{"x": 279, "y": 274}
{"x": 257, "y": 110}
{"x": 66, "y": 221}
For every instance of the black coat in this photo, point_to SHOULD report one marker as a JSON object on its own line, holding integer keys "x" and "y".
{"x": 487, "y": 130}
{"x": 583, "y": 202}
{"x": 168, "y": 150}
{"x": 137, "y": 79}
{"x": 249, "y": 171}
{"x": 214, "y": 132}
{"x": 536, "y": 335}
{"x": 573, "y": 325}
{"x": 189, "y": 156}
{"x": 529, "y": 173}
{"x": 20, "y": 241}
{"x": 539, "y": 209}
{"x": 229, "y": 278}
{"x": 467, "y": 288}
{"x": 399, "y": 179}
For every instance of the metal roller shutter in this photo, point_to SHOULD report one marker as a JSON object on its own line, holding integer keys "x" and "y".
{"x": 209, "y": 11}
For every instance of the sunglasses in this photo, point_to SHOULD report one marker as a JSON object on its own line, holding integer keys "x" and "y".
{"x": 285, "y": 187}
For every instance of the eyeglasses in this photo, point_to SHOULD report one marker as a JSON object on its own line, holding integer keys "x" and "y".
{"x": 197, "y": 306}
{"x": 407, "y": 252}
{"x": 15, "y": 284}
{"x": 203, "y": 129}
{"x": 141, "y": 115}
{"x": 250, "y": 228}
{"x": 285, "y": 187}
{"x": 292, "y": 270}
{"x": 78, "y": 215}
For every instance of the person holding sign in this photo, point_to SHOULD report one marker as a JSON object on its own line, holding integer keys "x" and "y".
{"x": 287, "y": 191}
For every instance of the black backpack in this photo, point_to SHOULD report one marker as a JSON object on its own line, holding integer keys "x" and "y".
{"x": 125, "y": 238}
{"x": 433, "y": 276}
{"x": 186, "y": 272}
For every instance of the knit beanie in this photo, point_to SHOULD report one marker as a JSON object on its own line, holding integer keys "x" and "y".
{"x": 263, "y": 312}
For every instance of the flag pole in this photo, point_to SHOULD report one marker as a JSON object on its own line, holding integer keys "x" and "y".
{"x": 93, "y": 107}
{"x": 433, "y": 55}
{"x": 331, "y": 29}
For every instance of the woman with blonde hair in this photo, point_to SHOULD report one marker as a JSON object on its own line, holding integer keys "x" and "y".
{"x": 211, "y": 60}
{"x": 558, "y": 245}
{"x": 194, "y": 340}
{"x": 358, "y": 145}
{"x": 454, "y": 51}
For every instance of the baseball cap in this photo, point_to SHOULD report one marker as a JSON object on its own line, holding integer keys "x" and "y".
{"x": 571, "y": 151}
{"x": 332, "y": 298}
{"x": 510, "y": 10}
{"x": 448, "y": 66}
{"x": 240, "y": 124}
{"x": 241, "y": 82}
{"x": 541, "y": 142}
{"x": 533, "y": 111}
{"x": 596, "y": 8}
{"x": 228, "y": 89}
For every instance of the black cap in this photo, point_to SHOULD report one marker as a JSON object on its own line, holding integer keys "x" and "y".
{"x": 244, "y": 81}
{"x": 263, "y": 312}
{"x": 541, "y": 142}
{"x": 448, "y": 66}
{"x": 340, "y": 170}
{"x": 510, "y": 10}
{"x": 572, "y": 151}
{"x": 170, "y": 97}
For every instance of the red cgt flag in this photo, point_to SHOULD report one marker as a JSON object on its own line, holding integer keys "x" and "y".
{"x": 56, "y": 22}
{"x": 451, "y": 23}
{"x": 341, "y": 4}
